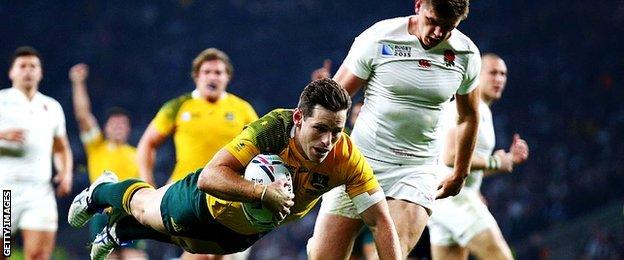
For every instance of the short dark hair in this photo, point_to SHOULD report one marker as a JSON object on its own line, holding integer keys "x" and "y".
{"x": 117, "y": 111}
{"x": 326, "y": 93}
{"x": 449, "y": 9}
{"x": 24, "y": 51}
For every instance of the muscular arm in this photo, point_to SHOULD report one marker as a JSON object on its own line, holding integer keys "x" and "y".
{"x": 466, "y": 137}
{"x": 82, "y": 105}
{"x": 467, "y": 127}
{"x": 221, "y": 178}
{"x": 146, "y": 153}
{"x": 63, "y": 162}
{"x": 348, "y": 80}
{"x": 378, "y": 220}
{"x": 450, "y": 142}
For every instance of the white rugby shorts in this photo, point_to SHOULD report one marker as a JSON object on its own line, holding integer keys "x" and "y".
{"x": 33, "y": 206}
{"x": 456, "y": 220}
{"x": 414, "y": 183}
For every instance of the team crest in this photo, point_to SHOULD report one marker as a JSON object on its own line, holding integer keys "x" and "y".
{"x": 319, "y": 181}
{"x": 229, "y": 116}
{"x": 449, "y": 58}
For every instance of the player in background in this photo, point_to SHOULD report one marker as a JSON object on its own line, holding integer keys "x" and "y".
{"x": 476, "y": 231}
{"x": 409, "y": 67}
{"x": 201, "y": 122}
{"x": 203, "y": 212}
{"x": 189, "y": 116}
{"x": 105, "y": 151}
{"x": 32, "y": 134}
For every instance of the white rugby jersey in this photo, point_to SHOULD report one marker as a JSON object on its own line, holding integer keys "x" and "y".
{"x": 486, "y": 140}
{"x": 406, "y": 88}
{"x": 42, "y": 119}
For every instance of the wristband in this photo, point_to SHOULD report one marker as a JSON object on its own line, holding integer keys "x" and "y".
{"x": 263, "y": 192}
{"x": 493, "y": 163}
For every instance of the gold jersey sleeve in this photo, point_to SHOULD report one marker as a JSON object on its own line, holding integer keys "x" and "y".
{"x": 104, "y": 155}
{"x": 269, "y": 134}
{"x": 165, "y": 119}
{"x": 200, "y": 128}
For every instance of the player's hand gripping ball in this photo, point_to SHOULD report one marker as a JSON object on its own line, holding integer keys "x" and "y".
{"x": 264, "y": 169}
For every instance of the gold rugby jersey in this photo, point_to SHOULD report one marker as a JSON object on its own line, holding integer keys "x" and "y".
{"x": 200, "y": 128}
{"x": 272, "y": 134}
{"x": 104, "y": 155}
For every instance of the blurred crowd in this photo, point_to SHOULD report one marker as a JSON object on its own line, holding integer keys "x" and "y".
{"x": 564, "y": 96}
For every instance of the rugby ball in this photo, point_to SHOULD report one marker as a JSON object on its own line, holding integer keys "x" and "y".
{"x": 264, "y": 169}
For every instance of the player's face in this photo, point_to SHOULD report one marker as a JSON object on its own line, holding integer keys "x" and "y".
{"x": 26, "y": 72}
{"x": 493, "y": 78}
{"x": 317, "y": 134}
{"x": 212, "y": 79}
{"x": 117, "y": 128}
{"x": 432, "y": 29}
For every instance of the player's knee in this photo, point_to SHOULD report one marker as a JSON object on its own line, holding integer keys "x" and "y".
{"x": 409, "y": 239}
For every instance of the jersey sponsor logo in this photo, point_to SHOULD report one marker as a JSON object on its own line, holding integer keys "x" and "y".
{"x": 319, "y": 181}
{"x": 424, "y": 64}
{"x": 239, "y": 147}
{"x": 449, "y": 58}
{"x": 402, "y": 153}
{"x": 393, "y": 50}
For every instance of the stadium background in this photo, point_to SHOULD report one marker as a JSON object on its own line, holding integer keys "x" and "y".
{"x": 564, "y": 93}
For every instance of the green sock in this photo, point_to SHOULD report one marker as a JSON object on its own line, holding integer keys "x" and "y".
{"x": 117, "y": 195}
{"x": 129, "y": 229}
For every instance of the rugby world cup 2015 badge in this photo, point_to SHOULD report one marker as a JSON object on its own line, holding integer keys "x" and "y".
{"x": 394, "y": 50}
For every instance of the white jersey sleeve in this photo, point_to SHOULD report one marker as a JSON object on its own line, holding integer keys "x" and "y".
{"x": 471, "y": 78}
{"x": 60, "y": 129}
{"x": 361, "y": 55}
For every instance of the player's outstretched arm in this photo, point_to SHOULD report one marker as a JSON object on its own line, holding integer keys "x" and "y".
{"x": 222, "y": 178}
{"x": 78, "y": 75}
{"x": 467, "y": 126}
{"x": 500, "y": 161}
{"x": 377, "y": 218}
{"x": 146, "y": 153}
